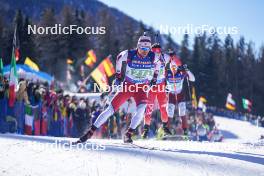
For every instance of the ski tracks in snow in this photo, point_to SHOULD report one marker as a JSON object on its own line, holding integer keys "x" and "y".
{"x": 183, "y": 158}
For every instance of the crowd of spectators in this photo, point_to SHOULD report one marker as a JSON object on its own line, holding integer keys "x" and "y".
{"x": 56, "y": 113}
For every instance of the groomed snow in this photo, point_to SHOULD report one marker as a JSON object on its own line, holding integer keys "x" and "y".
{"x": 241, "y": 153}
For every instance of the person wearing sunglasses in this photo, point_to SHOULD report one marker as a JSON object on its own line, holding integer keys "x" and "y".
{"x": 142, "y": 67}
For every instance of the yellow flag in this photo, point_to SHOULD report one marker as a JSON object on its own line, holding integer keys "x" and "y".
{"x": 91, "y": 58}
{"x": 194, "y": 99}
{"x": 31, "y": 64}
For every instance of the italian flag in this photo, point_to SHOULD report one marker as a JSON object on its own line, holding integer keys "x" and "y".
{"x": 1, "y": 67}
{"x": 246, "y": 104}
{"x": 13, "y": 78}
{"x": 29, "y": 118}
{"x": 13, "y": 81}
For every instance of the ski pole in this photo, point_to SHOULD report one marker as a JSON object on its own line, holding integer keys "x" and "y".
{"x": 189, "y": 90}
{"x": 175, "y": 88}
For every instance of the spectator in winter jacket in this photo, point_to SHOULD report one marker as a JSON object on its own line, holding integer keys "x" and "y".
{"x": 80, "y": 117}
{"x": 210, "y": 121}
{"x": 19, "y": 110}
{"x": 201, "y": 130}
{"x": 3, "y": 87}
{"x": 3, "y": 102}
{"x": 22, "y": 95}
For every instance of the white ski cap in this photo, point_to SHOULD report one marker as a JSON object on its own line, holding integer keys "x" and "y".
{"x": 144, "y": 41}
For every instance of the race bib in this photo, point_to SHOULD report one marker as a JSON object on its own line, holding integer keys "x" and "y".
{"x": 140, "y": 73}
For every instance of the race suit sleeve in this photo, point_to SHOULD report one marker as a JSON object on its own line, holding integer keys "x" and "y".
{"x": 190, "y": 76}
{"x": 122, "y": 57}
{"x": 157, "y": 64}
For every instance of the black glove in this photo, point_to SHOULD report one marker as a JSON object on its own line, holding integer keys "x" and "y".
{"x": 183, "y": 68}
{"x": 153, "y": 82}
{"x": 117, "y": 81}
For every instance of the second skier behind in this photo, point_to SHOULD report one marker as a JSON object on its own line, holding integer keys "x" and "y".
{"x": 175, "y": 78}
{"x": 158, "y": 92}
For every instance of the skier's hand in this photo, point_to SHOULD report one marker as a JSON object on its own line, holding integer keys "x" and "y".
{"x": 153, "y": 82}
{"x": 117, "y": 81}
{"x": 185, "y": 67}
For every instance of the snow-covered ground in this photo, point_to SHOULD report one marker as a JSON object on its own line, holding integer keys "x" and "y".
{"x": 241, "y": 153}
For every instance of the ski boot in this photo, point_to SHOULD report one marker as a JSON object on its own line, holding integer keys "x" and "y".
{"x": 167, "y": 132}
{"x": 86, "y": 136}
{"x": 145, "y": 132}
{"x": 128, "y": 135}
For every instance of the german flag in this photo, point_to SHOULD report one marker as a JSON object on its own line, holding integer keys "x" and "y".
{"x": 91, "y": 58}
{"x": 108, "y": 66}
{"x": 100, "y": 77}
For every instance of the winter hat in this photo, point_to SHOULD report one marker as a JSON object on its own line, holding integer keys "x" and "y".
{"x": 156, "y": 48}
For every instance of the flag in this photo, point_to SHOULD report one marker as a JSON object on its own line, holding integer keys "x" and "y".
{"x": 13, "y": 77}
{"x": 100, "y": 77}
{"x": 17, "y": 55}
{"x": 194, "y": 99}
{"x": 31, "y": 64}
{"x": 201, "y": 104}
{"x": 1, "y": 67}
{"x": 230, "y": 102}
{"x": 16, "y": 45}
{"x": 108, "y": 66}
{"x": 91, "y": 58}
{"x": 82, "y": 71}
{"x": 29, "y": 118}
{"x": 247, "y": 104}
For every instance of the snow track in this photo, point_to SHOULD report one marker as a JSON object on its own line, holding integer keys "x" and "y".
{"x": 236, "y": 156}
